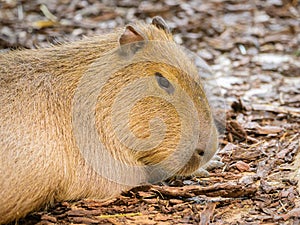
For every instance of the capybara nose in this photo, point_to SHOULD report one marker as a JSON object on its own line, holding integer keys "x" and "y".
{"x": 199, "y": 151}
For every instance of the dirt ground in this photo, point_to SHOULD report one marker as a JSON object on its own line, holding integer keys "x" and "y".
{"x": 253, "y": 48}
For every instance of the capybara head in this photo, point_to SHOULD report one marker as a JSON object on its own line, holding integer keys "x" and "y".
{"x": 151, "y": 112}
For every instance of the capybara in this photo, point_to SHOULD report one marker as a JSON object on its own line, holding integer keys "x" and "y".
{"x": 95, "y": 117}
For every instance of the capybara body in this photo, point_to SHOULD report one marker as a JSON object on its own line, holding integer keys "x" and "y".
{"x": 40, "y": 161}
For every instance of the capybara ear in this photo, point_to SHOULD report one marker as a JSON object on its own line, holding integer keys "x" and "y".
{"x": 131, "y": 34}
{"x": 161, "y": 24}
{"x": 131, "y": 40}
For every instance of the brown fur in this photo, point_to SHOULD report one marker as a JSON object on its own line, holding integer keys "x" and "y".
{"x": 39, "y": 160}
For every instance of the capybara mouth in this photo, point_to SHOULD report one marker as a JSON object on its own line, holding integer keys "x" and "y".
{"x": 192, "y": 165}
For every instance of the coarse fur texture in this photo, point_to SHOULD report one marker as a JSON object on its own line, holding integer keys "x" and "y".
{"x": 40, "y": 162}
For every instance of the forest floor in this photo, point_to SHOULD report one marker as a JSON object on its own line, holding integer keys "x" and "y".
{"x": 253, "y": 47}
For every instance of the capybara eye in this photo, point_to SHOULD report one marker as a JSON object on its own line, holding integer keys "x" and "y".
{"x": 164, "y": 83}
